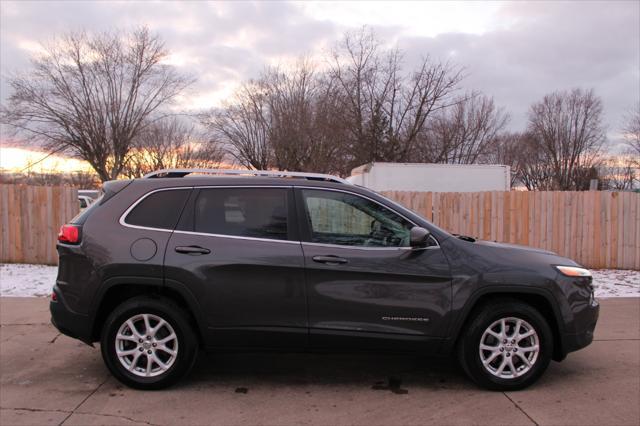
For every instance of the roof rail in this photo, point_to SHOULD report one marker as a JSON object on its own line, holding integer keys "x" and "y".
{"x": 178, "y": 173}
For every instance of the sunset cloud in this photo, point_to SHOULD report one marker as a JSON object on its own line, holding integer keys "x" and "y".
{"x": 515, "y": 52}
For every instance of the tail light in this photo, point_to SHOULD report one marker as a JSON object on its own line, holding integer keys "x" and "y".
{"x": 69, "y": 234}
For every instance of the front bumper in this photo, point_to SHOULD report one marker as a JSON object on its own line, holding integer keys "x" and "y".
{"x": 584, "y": 336}
{"x": 68, "y": 322}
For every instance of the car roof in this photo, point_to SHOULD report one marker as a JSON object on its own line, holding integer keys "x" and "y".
{"x": 209, "y": 180}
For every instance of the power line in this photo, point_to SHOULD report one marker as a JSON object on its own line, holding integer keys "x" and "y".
{"x": 43, "y": 158}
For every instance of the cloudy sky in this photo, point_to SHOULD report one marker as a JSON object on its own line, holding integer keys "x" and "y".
{"x": 514, "y": 51}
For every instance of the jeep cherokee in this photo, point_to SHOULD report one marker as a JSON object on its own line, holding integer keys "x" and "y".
{"x": 161, "y": 266}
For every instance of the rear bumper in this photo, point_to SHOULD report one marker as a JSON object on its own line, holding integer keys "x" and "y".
{"x": 588, "y": 318}
{"x": 68, "y": 322}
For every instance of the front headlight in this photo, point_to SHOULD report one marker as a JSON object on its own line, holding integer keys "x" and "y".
{"x": 573, "y": 271}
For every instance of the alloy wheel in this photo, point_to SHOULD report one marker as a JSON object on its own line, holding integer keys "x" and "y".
{"x": 146, "y": 345}
{"x": 509, "y": 348}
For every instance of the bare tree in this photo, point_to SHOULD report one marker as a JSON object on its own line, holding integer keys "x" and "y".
{"x": 84, "y": 180}
{"x": 465, "y": 133}
{"x": 362, "y": 109}
{"x": 243, "y": 126}
{"x": 80, "y": 179}
{"x": 306, "y": 132}
{"x": 93, "y": 94}
{"x": 287, "y": 120}
{"x": 170, "y": 143}
{"x": 384, "y": 109}
{"x": 631, "y": 129}
{"x": 507, "y": 149}
{"x": 567, "y": 132}
{"x": 528, "y": 164}
{"x": 619, "y": 173}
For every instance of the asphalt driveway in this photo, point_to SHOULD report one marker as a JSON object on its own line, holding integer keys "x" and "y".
{"x": 47, "y": 378}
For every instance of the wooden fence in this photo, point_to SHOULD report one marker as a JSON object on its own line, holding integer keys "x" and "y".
{"x": 596, "y": 229}
{"x": 31, "y": 218}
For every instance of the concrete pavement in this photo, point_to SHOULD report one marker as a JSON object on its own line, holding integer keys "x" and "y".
{"x": 47, "y": 378}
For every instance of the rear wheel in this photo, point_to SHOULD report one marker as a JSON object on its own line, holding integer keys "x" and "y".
{"x": 148, "y": 343}
{"x": 507, "y": 345}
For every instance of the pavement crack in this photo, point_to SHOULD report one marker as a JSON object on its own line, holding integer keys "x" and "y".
{"x": 131, "y": 419}
{"x": 55, "y": 338}
{"x": 83, "y": 401}
{"x": 42, "y": 410}
{"x": 520, "y": 408}
{"x": 35, "y": 410}
{"x": 23, "y": 324}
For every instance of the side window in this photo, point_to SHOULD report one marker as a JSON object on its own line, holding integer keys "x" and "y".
{"x": 159, "y": 210}
{"x": 346, "y": 219}
{"x": 242, "y": 212}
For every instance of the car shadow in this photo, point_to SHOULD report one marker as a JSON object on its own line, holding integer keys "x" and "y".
{"x": 379, "y": 372}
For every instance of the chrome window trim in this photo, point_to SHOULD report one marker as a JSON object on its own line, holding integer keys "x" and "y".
{"x": 403, "y": 248}
{"x": 236, "y": 237}
{"x": 319, "y": 188}
{"x": 437, "y": 246}
{"x": 357, "y": 247}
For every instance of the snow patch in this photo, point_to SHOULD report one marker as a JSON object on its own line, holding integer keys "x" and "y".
{"x": 21, "y": 279}
{"x": 38, "y": 280}
{"x": 616, "y": 283}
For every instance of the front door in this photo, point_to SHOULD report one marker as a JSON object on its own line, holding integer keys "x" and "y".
{"x": 366, "y": 287}
{"x": 238, "y": 252}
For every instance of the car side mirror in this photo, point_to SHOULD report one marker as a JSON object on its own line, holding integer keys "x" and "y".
{"x": 418, "y": 237}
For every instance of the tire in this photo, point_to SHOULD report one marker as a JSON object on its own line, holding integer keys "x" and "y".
{"x": 486, "y": 325}
{"x": 168, "y": 349}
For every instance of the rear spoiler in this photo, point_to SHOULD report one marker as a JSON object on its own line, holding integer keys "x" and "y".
{"x": 112, "y": 187}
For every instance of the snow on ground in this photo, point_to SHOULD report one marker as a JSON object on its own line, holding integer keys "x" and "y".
{"x": 37, "y": 280}
{"x": 616, "y": 283}
{"x": 18, "y": 279}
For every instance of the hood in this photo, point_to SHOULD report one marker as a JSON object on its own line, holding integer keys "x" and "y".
{"x": 489, "y": 257}
{"x": 514, "y": 247}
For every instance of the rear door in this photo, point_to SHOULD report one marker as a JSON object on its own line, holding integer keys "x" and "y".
{"x": 366, "y": 287}
{"x": 237, "y": 251}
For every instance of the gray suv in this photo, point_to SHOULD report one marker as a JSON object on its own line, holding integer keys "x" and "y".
{"x": 179, "y": 260}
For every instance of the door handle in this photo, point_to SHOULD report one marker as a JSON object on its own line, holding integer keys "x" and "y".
{"x": 194, "y": 250}
{"x": 329, "y": 260}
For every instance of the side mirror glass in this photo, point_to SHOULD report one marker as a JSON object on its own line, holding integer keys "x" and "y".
{"x": 419, "y": 237}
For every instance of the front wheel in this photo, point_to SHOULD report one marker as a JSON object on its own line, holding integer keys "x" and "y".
{"x": 506, "y": 346}
{"x": 148, "y": 343}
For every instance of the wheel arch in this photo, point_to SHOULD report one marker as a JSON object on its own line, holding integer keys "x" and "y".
{"x": 538, "y": 298}
{"x": 115, "y": 291}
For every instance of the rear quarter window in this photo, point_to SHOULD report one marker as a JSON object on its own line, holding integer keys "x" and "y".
{"x": 160, "y": 209}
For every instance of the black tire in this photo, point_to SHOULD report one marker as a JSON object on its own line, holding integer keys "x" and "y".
{"x": 469, "y": 345}
{"x": 177, "y": 319}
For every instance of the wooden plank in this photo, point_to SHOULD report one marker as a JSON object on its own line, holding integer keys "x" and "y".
{"x": 597, "y": 230}
{"x": 621, "y": 224}
{"x": 429, "y": 206}
{"x": 629, "y": 231}
{"x": 614, "y": 230}
{"x": 500, "y": 216}
{"x": 571, "y": 225}
{"x": 4, "y": 222}
{"x": 637, "y": 238}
